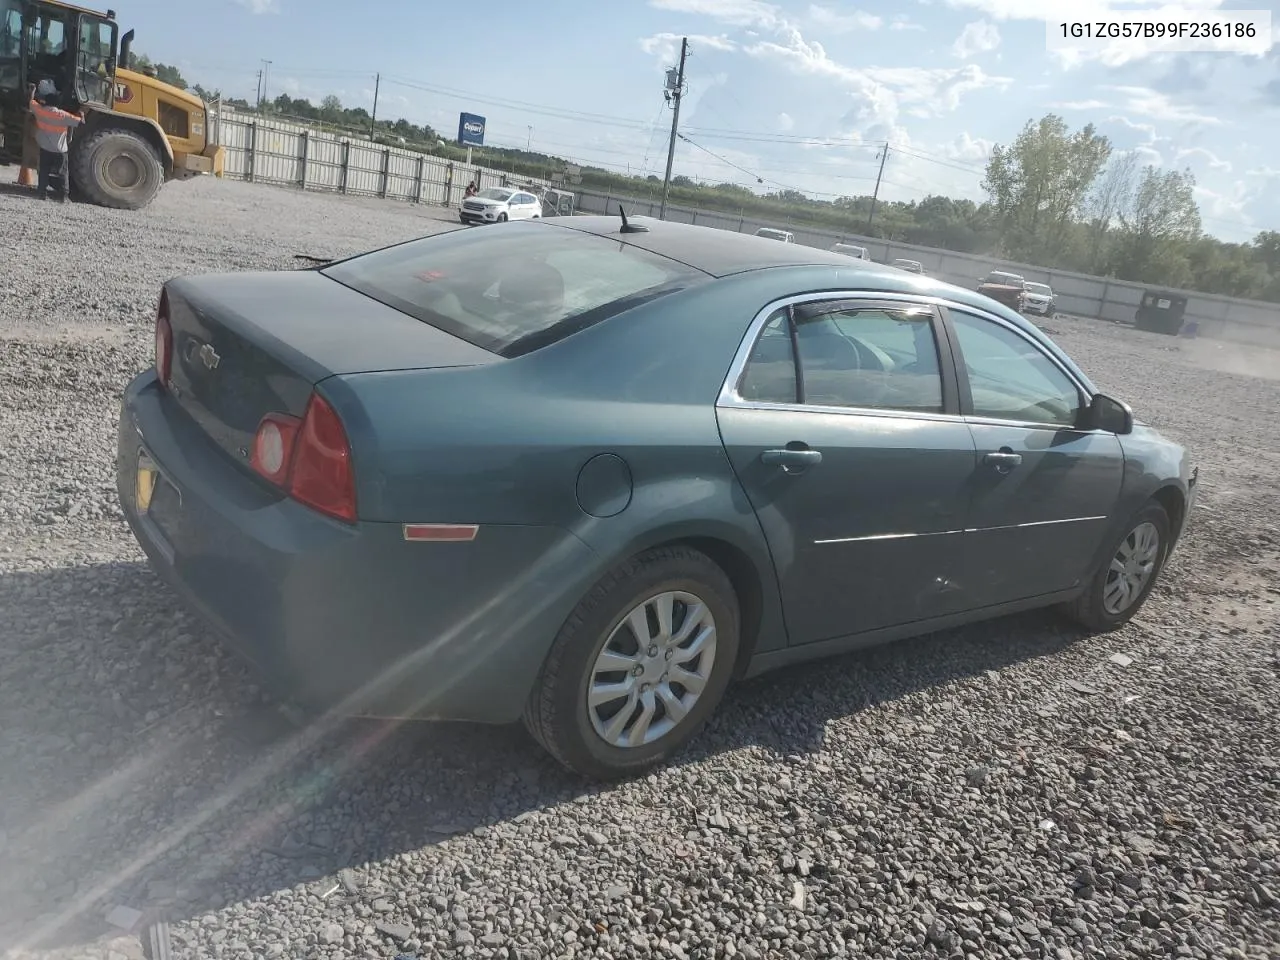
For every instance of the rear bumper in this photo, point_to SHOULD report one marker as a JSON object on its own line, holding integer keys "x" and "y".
{"x": 347, "y": 618}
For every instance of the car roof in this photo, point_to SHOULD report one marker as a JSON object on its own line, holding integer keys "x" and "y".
{"x": 721, "y": 253}
{"x": 718, "y": 253}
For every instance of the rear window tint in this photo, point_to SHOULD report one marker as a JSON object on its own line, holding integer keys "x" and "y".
{"x": 514, "y": 288}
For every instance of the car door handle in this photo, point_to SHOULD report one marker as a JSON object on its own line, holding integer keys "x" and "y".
{"x": 1003, "y": 460}
{"x": 787, "y": 457}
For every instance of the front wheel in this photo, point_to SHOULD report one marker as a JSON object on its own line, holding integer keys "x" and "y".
{"x": 639, "y": 665}
{"x": 502, "y": 218}
{"x": 117, "y": 168}
{"x": 1121, "y": 586}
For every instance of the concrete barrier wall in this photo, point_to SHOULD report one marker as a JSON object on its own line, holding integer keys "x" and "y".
{"x": 1250, "y": 322}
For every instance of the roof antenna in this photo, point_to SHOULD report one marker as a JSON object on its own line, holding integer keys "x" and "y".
{"x": 630, "y": 227}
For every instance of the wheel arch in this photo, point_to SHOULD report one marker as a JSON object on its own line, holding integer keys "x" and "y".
{"x": 752, "y": 577}
{"x": 144, "y": 127}
{"x": 1174, "y": 501}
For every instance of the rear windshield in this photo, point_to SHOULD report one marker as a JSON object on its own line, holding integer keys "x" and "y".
{"x": 1007, "y": 279}
{"x": 513, "y": 288}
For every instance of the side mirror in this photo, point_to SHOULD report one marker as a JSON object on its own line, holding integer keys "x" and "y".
{"x": 1108, "y": 413}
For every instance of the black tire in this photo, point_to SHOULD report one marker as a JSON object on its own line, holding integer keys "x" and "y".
{"x": 117, "y": 168}
{"x": 502, "y": 218}
{"x": 556, "y": 713}
{"x": 1089, "y": 609}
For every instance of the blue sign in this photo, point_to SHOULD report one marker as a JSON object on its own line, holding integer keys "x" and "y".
{"x": 470, "y": 130}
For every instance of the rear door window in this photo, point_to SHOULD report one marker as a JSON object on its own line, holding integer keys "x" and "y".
{"x": 515, "y": 290}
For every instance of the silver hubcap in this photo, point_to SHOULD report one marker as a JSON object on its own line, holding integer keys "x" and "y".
{"x": 652, "y": 669}
{"x": 1131, "y": 568}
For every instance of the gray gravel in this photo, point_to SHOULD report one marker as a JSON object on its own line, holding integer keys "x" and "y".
{"x": 1007, "y": 790}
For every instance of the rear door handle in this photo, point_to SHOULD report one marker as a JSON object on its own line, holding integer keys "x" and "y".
{"x": 788, "y": 458}
{"x": 1003, "y": 460}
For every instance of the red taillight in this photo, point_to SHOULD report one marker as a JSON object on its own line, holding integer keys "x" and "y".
{"x": 321, "y": 476}
{"x": 164, "y": 340}
{"x": 310, "y": 458}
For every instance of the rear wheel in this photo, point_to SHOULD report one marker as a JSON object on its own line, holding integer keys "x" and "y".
{"x": 117, "y": 168}
{"x": 639, "y": 665}
{"x": 1119, "y": 589}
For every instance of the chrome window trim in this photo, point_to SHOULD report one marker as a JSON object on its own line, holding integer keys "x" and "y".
{"x": 730, "y": 398}
{"x": 1081, "y": 390}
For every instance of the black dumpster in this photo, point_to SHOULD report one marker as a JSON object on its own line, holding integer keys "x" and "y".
{"x": 1161, "y": 312}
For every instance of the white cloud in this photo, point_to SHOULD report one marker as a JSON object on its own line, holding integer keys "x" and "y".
{"x": 666, "y": 46}
{"x": 1266, "y": 173}
{"x": 902, "y": 22}
{"x": 1146, "y": 102}
{"x": 1079, "y": 105}
{"x": 1214, "y": 161}
{"x": 981, "y": 36}
{"x": 785, "y": 123}
{"x": 834, "y": 21}
{"x": 260, "y": 6}
{"x": 1233, "y": 205}
{"x": 1149, "y": 156}
{"x": 738, "y": 13}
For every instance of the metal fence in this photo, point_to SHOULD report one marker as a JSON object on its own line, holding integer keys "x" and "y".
{"x": 1250, "y": 322}
{"x": 264, "y": 150}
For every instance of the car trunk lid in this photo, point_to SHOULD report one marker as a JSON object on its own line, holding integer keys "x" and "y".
{"x": 245, "y": 345}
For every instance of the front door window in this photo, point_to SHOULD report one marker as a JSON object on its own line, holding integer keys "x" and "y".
{"x": 94, "y": 60}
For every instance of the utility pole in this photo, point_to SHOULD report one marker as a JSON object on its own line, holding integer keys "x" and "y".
{"x": 673, "y": 95}
{"x": 259, "y": 102}
{"x": 528, "y": 145}
{"x": 884, "y": 152}
{"x": 377, "y": 85}
{"x": 266, "y": 72}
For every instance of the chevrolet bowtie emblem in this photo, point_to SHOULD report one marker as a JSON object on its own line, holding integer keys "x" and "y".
{"x": 209, "y": 357}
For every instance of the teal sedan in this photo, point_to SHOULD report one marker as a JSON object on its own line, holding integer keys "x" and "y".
{"x": 587, "y": 472}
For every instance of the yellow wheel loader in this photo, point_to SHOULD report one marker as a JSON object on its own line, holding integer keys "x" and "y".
{"x": 137, "y": 133}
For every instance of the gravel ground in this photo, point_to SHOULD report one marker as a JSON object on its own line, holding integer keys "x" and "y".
{"x": 1006, "y": 790}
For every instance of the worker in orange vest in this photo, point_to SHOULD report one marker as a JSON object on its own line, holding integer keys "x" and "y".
{"x": 52, "y": 126}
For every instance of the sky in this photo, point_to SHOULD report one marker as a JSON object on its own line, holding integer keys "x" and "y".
{"x": 787, "y": 94}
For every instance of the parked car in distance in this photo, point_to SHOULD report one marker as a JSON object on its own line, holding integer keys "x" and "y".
{"x": 1006, "y": 288}
{"x": 585, "y": 478}
{"x": 911, "y": 266}
{"x": 1038, "y": 298}
{"x": 852, "y": 250}
{"x": 500, "y": 204}
{"x": 769, "y": 233}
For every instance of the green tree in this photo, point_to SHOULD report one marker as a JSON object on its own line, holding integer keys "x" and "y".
{"x": 1158, "y": 224}
{"x": 1039, "y": 184}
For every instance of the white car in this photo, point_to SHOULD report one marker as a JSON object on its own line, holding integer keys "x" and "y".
{"x": 852, "y": 250}
{"x": 771, "y": 234}
{"x": 498, "y": 205}
{"x": 1039, "y": 299}
{"x": 911, "y": 266}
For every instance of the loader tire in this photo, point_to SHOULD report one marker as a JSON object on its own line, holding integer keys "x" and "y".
{"x": 117, "y": 168}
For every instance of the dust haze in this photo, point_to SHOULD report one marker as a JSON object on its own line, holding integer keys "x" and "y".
{"x": 1241, "y": 359}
